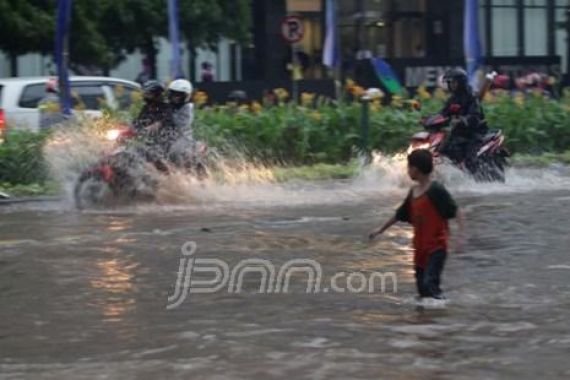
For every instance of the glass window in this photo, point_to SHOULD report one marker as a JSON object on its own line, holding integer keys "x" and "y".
{"x": 535, "y": 3}
{"x": 125, "y": 95}
{"x": 504, "y": 24}
{"x": 536, "y": 36}
{"x": 32, "y": 95}
{"x": 561, "y": 34}
{"x": 501, "y": 3}
{"x": 89, "y": 96}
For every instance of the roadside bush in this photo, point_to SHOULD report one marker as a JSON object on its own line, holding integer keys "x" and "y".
{"x": 21, "y": 159}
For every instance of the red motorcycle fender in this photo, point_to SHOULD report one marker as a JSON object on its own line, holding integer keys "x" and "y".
{"x": 105, "y": 171}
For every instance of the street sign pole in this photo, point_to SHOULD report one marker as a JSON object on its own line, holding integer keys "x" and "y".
{"x": 292, "y": 31}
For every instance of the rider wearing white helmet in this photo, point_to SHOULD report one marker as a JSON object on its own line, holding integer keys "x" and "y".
{"x": 179, "y": 97}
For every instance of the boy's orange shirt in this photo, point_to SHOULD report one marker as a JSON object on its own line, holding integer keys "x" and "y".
{"x": 431, "y": 231}
{"x": 429, "y": 214}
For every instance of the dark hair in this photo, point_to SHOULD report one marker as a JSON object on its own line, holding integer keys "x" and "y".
{"x": 421, "y": 159}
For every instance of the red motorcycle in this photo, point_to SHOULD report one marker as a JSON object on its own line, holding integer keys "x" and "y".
{"x": 131, "y": 170}
{"x": 490, "y": 159}
{"x": 121, "y": 173}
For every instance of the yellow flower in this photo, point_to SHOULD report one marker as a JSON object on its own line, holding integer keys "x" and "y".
{"x": 281, "y": 93}
{"x": 551, "y": 80}
{"x": 307, "y": 99}
{"x": 349, "y": 85}
{"x": 375, "y": 105}
{"x": 519, "y": 99}
{"x": 440, "y": 94}
{"x": 316, "y": 116}
{"x": 397, "y": 101}
{"x": 415, "y": 105}
{"x": 200, "y": 98}
{"x": 256, "y": 107}
{"x": 358, "y": 91}
{"x": 423, "y": 93}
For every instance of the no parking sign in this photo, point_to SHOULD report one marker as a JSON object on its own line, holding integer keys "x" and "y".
{"x": 292, "y": 29}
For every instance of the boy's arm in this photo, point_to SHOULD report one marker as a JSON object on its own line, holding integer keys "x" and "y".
{"x": 443, "y": 201}
{"x": 382, "y": 229}
{"x": 402, "y": 215}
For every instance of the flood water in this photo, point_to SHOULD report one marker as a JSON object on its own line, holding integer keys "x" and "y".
{"x": 84, "y": 295}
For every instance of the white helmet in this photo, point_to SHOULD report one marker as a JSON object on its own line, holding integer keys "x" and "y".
{"x": 181, "y": 85}
{"x": 179, "y": 91}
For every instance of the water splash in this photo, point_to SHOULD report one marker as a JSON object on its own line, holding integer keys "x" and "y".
{"x": 389, "y": 173}
{"x": 235, "y": 179}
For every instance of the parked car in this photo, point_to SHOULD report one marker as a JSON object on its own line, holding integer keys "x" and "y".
{"x": 19, "y": 98}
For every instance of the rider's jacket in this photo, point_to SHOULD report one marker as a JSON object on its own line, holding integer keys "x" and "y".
{"x": 157, "y": 113}
{"x": 465, "y": 106}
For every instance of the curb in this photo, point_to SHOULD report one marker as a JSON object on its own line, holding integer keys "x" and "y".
{"x": 9, "y": 201}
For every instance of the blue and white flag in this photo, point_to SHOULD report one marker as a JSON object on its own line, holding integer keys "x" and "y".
{"x": 331, "y": 51}
{"x": 472, "y": 44}
{"x": 174, "y": 36}
{"x": 62, "y": 54}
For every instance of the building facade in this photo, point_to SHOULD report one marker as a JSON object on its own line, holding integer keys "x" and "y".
{"x": 420, "y": 38}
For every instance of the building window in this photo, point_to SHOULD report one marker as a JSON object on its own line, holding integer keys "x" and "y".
{"x": 535, "y": 27}
{"x": 505, "y": 27}
{"x": 561, "y": 34}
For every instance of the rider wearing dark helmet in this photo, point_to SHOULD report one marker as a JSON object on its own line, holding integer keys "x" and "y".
{"x": 467, "y": 118}
{"x": 155, "y": 122}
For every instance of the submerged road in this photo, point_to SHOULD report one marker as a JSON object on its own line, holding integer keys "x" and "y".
{"x": 85, "y": 295}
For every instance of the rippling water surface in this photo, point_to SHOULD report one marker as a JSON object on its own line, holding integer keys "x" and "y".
{"x": 84, "y": 295}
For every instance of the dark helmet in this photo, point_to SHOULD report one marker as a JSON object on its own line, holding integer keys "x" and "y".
{"x": 152, "y": 91}
{"x": 456, "y": 75}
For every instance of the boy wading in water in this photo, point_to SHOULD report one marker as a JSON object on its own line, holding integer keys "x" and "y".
{"x": 428, "y": 207}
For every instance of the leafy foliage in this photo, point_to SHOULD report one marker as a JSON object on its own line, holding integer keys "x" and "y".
{"x": 21, "y": 158}
{"x": 103, "y": 32}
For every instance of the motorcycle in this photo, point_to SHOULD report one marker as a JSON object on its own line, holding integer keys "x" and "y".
{"x": 122, "y": 172}
{"x": 490, "y": 159}
{"x": 131, "y": 170}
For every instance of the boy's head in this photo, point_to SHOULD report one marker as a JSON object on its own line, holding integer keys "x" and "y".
{"x": 420, "y": 163}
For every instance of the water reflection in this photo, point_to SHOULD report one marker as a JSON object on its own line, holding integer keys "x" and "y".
{"x": 115, "y": 280}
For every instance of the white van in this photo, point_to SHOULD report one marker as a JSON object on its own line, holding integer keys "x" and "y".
{"x": 19, "y": 98}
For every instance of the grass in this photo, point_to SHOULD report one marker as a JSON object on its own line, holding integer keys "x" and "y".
{"x": 31, "y": 190}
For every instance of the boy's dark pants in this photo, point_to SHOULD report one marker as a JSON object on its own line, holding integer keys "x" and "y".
{"x": 428, "y": 279}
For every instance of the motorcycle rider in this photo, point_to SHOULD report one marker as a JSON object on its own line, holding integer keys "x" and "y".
{"x": 179, "y": 96}
{"x": 155, "y": 123}
{"x": 467, "y": 119}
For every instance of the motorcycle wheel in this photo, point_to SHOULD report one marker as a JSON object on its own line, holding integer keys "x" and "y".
{"x": 490, "y": 169}
{"x": 90, "y": 190}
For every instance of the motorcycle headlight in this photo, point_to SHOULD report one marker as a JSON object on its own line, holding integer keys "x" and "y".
{"x": 113, "y": 134}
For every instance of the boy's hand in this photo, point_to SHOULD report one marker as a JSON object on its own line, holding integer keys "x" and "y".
{"x": 373, "y": 234}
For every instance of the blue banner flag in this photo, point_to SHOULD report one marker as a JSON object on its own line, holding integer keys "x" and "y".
{"x": 174, "y": 36}
{"x": 472, "y": 43}
{"x": 387, "y": 77}
{"x": 331, "y": 51}
{"x": 62, "y": 54}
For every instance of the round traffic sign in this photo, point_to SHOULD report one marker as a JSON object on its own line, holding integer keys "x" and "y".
{"x": 292, "y": 29}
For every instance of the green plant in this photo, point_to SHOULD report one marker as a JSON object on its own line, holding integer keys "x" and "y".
{"x": 21, "y": 159}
